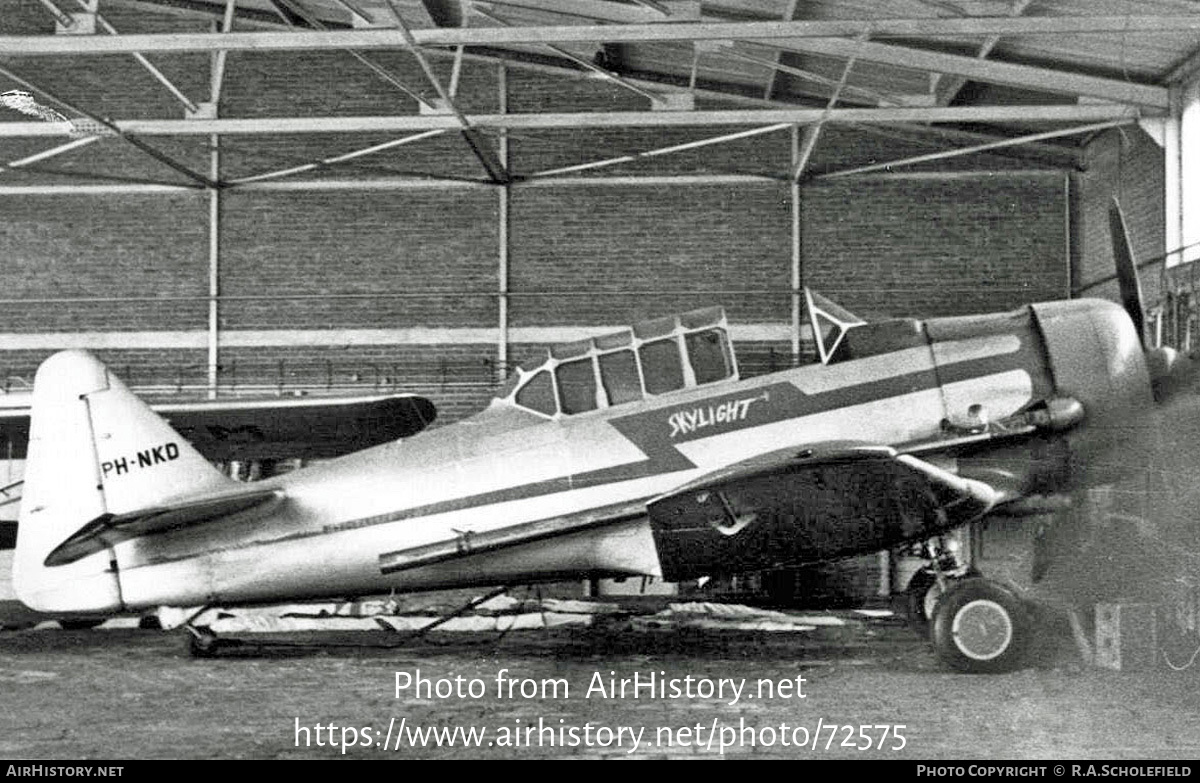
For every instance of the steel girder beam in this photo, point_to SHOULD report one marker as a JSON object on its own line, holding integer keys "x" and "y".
{"x": 400, "y": 183}
{"x": 645, "y": 119}
{"x": 390, "y": 38}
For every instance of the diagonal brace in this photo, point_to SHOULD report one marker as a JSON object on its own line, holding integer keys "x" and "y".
{"x": 127, "y": 137}
{"x": 491, "y": 163}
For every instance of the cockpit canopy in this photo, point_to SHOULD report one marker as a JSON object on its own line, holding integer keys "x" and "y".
{"x": 653, "y": 357}
{"x": 681, "y": 352}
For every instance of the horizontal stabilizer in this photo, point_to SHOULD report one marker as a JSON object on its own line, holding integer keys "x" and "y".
{"x": 109, "y": 529}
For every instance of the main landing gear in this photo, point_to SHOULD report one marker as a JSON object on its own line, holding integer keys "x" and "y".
{"x": 928, "y": 584}
{"x": 976, "y": 625}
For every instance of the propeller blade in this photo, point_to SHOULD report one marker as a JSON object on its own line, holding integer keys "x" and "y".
{"x": 1127, "y": 275}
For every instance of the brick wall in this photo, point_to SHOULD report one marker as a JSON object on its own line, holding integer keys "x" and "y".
{"x": 930, "y": 247}
{"x": 585, "y": 255}
{"x": 1127, "y": 164}
{"x": 323, "y": 261}
{"x": 142, "y": 261}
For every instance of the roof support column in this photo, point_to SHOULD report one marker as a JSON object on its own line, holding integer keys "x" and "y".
{"x": 216, "y": 83}
{"x": 1187, "y": 200}
{"x": 504, "y": 193}
{"x": 214, "y": 267}
{"x": 797, "y": 276}
{"x": 1172, "y": 144}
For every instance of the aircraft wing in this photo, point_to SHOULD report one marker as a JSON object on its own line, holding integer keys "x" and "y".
{"x": 109, "y": 529}
{"x": 276, "y": 428}
{"x": 808, "y": 505}
{"x": 300, "y": 427}
{"x": 788, "y": 507}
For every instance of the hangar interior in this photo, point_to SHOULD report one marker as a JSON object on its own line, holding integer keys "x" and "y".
{"x": 317, "y": 196}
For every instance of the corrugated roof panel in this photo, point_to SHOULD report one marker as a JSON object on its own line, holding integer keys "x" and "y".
{"x": 1109, "y": 7}
{"x": 676, "y": 59}
{"x": 866, "y": 9}
{"x": 1140, "y": 56}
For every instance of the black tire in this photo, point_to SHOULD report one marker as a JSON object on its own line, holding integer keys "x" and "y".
{"x": 80, "y": 623}
{"x": 915, "y": 605}
{"x": 980, "y": 627}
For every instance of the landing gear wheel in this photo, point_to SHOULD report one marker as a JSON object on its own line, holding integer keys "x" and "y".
{"x": 981, "y": 627}
{"x": 921, "y": 596}
{"x": 203, "y": 643}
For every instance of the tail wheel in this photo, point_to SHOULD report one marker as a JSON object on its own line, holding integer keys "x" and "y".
{"x": 981, "y": 627}
{"x": 203, "y": 643}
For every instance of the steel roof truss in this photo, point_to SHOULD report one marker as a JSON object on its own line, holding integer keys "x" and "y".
{"x": 813, "y": 132}
{"x": 602, "y": 72}
{"x": 334, "y": 159}
{"x": 495, "y": 169}
{"x": 1025, "y": 76}
{"x": 912, "y": 161}
{"x": 948, "y": 87}
{"x": 771, "y": 33}
{"x": 69, "y": 129}
{"x": 159, "y": 76}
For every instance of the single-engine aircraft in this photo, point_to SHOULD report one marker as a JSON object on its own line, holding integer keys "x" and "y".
{"x": 635, "y": 453}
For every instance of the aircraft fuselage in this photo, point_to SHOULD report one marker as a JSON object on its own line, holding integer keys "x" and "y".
{"x": 505, "y": 496}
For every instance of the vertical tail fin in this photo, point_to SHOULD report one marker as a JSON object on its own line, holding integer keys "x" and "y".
{"x": 95, "y": 450}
